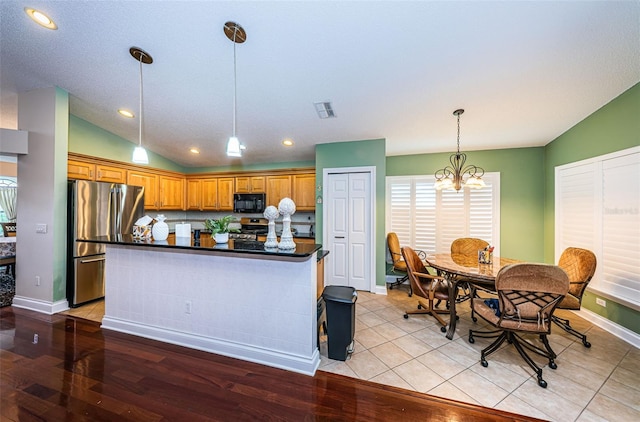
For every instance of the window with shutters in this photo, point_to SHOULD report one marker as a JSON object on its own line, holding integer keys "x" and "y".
{"x": 429, "y": 220}
{"x": 597, "y": 207}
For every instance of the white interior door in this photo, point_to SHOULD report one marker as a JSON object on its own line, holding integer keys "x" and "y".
{"x": 348, "y": 211}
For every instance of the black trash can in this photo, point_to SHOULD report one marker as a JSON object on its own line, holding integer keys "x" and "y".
{"x": 341, "y": 320}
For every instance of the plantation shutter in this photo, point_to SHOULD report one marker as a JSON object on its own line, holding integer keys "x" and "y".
{"x": 598, "y": 208}
{"x": 429, "y": 220}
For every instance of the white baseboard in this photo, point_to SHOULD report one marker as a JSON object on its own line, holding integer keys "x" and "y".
{"x": 41, "y": 306}
{"x": 617, "y": 330}
{"x": 300, "y": 364}
{"x": 380, "y": 290}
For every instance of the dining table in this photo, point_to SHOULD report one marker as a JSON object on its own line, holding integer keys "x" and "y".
{"x": 458, "y": 268}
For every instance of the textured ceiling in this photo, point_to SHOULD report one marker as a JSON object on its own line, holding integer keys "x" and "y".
{"x": 525, "y": 72}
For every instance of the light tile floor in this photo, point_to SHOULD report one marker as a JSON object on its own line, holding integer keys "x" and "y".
{"x": 597, "y": 384}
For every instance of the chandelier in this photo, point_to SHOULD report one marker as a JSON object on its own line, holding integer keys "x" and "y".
{"x": 451, "y": 177}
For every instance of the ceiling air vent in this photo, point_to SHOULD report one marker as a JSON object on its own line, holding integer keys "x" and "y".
{"x": 324, "y": 109}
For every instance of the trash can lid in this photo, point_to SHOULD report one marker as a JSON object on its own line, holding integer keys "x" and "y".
{"x": 344, "y": 294}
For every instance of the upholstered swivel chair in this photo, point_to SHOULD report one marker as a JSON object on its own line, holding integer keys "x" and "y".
{"x": 425, "y": 285}
{"x": 528, "y": 295}
{"x": 8, "y": 229}
{"x": 467, "y": 248}
{"x": 399, "y": 266}
{"x": 580, "y": 265}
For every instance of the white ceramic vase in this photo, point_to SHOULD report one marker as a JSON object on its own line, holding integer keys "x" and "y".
{"x": 160, "y": 230}
{"x": 221, "y": 237}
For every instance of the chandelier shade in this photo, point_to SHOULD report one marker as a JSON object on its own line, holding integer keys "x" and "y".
{"x": 453, "y": 175}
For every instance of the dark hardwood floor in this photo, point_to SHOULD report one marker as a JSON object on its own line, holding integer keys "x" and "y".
{"x": 76, "y": 371}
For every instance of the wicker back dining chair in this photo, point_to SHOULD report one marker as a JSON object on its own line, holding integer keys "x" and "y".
{"x": 425, "y": 285}
{"x": 580, "y": 265}
{"x": 527, "y": 295}
{"x": 468, "y": 247}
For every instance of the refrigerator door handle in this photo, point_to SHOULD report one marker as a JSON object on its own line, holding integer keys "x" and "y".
{"x": 88, "y": 261}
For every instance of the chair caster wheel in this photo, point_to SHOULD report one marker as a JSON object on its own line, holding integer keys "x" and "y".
{"x": 410, "y": 294}
{"x": 484, "y": 363}
{"x": 406, "y": 316}
{"x": 471, "y": 340}
{"x": 419, "y": 306}
{"x": 443, "y": 329}
{"x": 586, "y": 344}
{"x": 474, "y": 319}
{"x": 542, "y": 383}
{"x": 553, "y": 365}
{"x": 457, "y": 317}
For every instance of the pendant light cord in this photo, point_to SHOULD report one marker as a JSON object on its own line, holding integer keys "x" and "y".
{"x": 458, "y": 133}
{"x": 140, "y": 110}
{"x": 235, "y": 78}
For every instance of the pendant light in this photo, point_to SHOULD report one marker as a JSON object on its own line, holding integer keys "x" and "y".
{"x": 139, "y": 153}
{"x": 237, "y": 35}
{"x": 451, "y": 177}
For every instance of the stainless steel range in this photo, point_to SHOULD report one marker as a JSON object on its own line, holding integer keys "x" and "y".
{"x": 251, "y": 228}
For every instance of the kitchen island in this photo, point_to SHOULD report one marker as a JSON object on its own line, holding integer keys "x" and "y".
{"x": 236, "y": 299}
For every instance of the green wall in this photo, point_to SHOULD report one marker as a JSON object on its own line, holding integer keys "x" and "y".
{"x": 355, "y": 154}
{"x": 89, "y": 139}
{"x": 521, "y": 192}
{"x": 614, "y": 127}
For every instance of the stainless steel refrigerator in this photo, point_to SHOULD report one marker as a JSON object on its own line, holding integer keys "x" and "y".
{"x": 96, "y": 209}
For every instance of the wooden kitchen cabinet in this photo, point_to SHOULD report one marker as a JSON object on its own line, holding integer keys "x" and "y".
{"x": 194, "y": 194}
{"x": 150, "y": 183}
{"x": 278, "y": 187}
{"x": 81, "y": 170}
{"x": 161, "y": 192}
{"x": 304, "y": 191}
{"x": 249, "y": 184}
{"x": 171, "y": 193}
{"x": 211, "y": 193}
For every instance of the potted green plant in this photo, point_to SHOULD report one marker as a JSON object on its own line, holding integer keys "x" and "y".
{"x": 220, "y": 229}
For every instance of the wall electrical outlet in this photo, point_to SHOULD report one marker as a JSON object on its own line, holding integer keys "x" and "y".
{"x": 601, "y": 302}
{"x": 41, "y": 228}
{"x": 187, "y": 307}
{"x": 37, "y": 280}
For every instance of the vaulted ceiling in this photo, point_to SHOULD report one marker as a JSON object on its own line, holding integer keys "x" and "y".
{"x": 525, "y": 72}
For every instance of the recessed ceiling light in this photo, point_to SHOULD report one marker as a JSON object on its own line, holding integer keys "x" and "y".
{"x": 287, "y": 142}
{"x": 126, "y": 113}
{"x": 195, "y": 150}
{"x": 40, "y": 18}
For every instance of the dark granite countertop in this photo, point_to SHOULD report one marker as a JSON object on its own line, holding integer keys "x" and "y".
{"x": 206, "y": 244}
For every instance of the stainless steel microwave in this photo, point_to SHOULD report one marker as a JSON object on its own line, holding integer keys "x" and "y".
{"x": 249, "y": 202}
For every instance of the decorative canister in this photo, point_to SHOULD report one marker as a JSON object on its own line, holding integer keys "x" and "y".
{"x": 160, "y": 229}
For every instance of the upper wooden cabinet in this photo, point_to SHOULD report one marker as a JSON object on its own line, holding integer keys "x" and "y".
{"x": 211, "y": 193}
{"x": 171, "y": 193}
{"x": 150, "y": 183}
{"x": 168, "y": 190}
{"x": 304, "y": 191}
{"x": 249, "y": 184}
{"x": 278, "y": 187}
{"x": 97, "y": 172}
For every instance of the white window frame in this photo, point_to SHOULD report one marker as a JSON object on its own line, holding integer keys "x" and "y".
{"x": 587, "y": 207}
{"x": 435, "y": 220}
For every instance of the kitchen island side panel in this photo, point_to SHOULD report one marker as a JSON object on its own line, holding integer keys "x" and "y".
{"x": 256, "y": 309}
